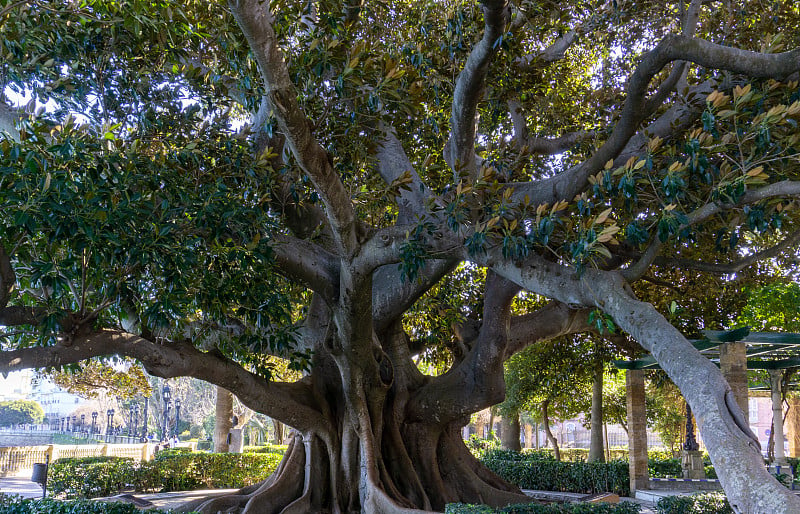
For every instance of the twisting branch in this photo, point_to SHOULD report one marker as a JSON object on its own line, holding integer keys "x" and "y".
{"x": 309, "y": 263}
{"x": 288, "y": 402}
{"x": 542, "y": 145}
{"x": 460, "y": 149}
{"x": 635, "y": 109}
{"x": 255, "y": 19}
{"x": 477, "y": 381}
{"x": 778, "y": 189}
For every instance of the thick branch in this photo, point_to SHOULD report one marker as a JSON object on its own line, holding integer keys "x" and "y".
{"x": 393, "y": 163}
{"x": 255, "y": 20}
{"x": 460, "y": 150}
{"x": 7, "y": 277}
{"x": 13, "y": 316}
{"x": 553, "y": 320}
{"x": 289, "y": 402}
{"x": 308, "y": 262}
{"x": 477, "y": 381}
{"x": 392, "y": 295}
{"x": 637, "y": 108}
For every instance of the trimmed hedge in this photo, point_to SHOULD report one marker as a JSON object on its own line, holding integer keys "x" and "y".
{"x": 94, "y": 477}
{"x": 661, "y": 468}
{"x": 707, "y": 503}
{"x": 577, "y": 477}
{"x": 553, "y": 508}
{"x": 91, "y": 477}
{"x": 18, "y": 505}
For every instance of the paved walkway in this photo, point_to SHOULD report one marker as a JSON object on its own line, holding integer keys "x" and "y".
{"x": 27, "y": 489}
{"x": 21, "y": 486}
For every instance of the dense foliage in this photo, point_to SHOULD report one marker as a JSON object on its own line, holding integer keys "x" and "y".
{"x": 704, "y": 503}
{"x": 396, "y": 199}
{"x": 18, "y": 412}
{"x": 94, "y": 477}
{"x": 533, "y": 508}
{"x": 10, "y": 504}
{"x": 551, "y": 475}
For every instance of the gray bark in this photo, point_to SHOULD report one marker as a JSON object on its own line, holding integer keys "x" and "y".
{"x": 510, "y": 432}
{"x": 222, "y": 422}
{"x": 596, "y": 453}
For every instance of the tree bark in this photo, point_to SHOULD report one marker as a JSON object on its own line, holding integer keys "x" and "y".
{"x": 222, "y": 423}
{"x": 596, "y": 453}
{"x": 548, "y": 433}
{"x": 278, "y": 427}
{"x": 510, "y": 432}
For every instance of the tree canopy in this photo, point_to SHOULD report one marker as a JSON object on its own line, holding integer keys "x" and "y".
{"x": 359, "y": 187}
{"x": 20, "y": 412}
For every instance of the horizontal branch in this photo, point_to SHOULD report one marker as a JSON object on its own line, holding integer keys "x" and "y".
{"x": 14, "y": 316}
{"x": 288, "y": 402}
{"x": 637, "y": 107}
{"x": 309, "y": 263}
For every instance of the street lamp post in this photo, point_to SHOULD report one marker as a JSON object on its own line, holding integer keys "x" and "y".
{"x": 83, "y": 423}
{"x": 177, "y": 415}
{"x": 133, "y": 428}
{"x": 166, "y": 395}
{"x": 144, "y": 420}
{"x": 94, "y": 422}
{"x": 109, "y": 422}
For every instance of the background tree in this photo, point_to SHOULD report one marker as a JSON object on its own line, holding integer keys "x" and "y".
{"x": 20, "y": 412}
{"x": 212, "y": 186}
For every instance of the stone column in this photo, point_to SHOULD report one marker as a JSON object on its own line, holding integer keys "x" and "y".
{"x": 733, "y": 364}
{"x": 637, "y": 429}
{"x": 775, "y": 379}
{"x": 793, "y": 426}
{"x": 528, "y": 435}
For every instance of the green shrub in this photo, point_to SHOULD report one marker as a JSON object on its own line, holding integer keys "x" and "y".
{"x": 91, "y": 477}
{"x": 181, "y": 472}
{"x": 267, "y": 448}
{"x": 661, "y": 468}
{"x": 171, "y": 470}
{"x": 550, "y": 475}
{"x": 537, "y": 508}
{"x": 526, "y": 455}
{"x": 18, "y": 505}
{"x": 707, "y": 503}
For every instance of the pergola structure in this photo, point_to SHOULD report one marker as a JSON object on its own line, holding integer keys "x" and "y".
{"x": 734, "y": 351}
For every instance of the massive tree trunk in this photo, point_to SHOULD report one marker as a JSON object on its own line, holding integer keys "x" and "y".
{"x": 596, "y": 442}
{"x": 223, "y": 419}
{"x": 370, "y": 451}
{"x": 510, "y": 432}
{"x": 278, "y": 428}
